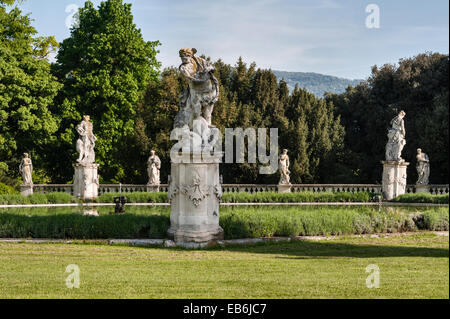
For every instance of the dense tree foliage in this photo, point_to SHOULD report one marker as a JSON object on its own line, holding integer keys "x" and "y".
{"x": 105, "y": 66}
{"x": 27, "y": 90}
{"x": 418, "y": 85}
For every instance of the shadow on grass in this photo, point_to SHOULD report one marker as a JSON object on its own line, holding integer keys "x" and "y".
{"x": 305, "y": 249}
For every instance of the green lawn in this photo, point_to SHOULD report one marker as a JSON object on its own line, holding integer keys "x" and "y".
{"x": 413, "y": 266}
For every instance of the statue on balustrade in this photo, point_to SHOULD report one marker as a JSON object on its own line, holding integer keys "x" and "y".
{"x": 396, "y": 138}
{"x": 26, "y": 169}
{"x": 86, "y": 142}
{"x": 284, "y": 168}
{"x": 422, "y": 167}
{"x": 153, "y": 167}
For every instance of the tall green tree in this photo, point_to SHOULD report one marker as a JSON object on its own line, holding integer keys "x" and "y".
{"x": 105, "y": 66}
{"x": 27, "y": 90}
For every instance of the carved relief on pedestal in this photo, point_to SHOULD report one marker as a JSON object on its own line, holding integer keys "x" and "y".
{"x": 173, "y": 190}
{"x": 218, "y": 192}
{"x": 195, "y": 191}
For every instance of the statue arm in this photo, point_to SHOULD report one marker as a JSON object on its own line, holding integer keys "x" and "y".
{"x": 186, "y": 73}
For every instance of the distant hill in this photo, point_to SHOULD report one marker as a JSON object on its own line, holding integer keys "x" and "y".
{"x": 314, "y": 82}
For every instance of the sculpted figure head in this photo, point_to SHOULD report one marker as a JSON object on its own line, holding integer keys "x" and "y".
{"x": 87, "y": 118}
{"x": 186, "y": 54}
{"x": 26, "y": 155}
{"x": 401, "y": 114}
{"x": 152, "y": 152}
{"x": 419, "y": 151}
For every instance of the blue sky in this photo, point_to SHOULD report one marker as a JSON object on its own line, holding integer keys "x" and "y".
{"x": 323, "y": 36}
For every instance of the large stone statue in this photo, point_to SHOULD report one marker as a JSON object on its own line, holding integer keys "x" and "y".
{"x": 26, "y": 169}
{"x": 284, "y": 168}
{"x": 394, "y": 167}
{"x": 194, "y": 188}
{"x": 86, "y": 142}
{"x": 85, "y": 180}
{"x": 423, "y": 167}
{"x": 396, "y": 136}
{"x": 153, "y": 167}
{"x": 197, "y": 101}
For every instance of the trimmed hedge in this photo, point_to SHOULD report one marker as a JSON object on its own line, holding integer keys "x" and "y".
{"x": 262, "y": 197}
{"x": 237, "y": 222}
{"x": 50, "y": 198}
{"x": 300, "y": 197}
{"x": 137, "y": 197}
{"x": 422, "y": 198}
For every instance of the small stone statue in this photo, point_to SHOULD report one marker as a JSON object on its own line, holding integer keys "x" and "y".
{"x": 26, "y": 169}
{"x": 86, "y": 142}
{"x": 284, "y": 168}
{"x": 396, "y": 136}
{"x": 153, "y": 167}
{"x": 423, "y": 167}
{"x": 197, "y": 101}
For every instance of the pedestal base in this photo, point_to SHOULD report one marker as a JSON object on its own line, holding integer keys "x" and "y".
{"x": 394, "y": 179}
{"x": 85, "y": 181}
{"x": 26, "y": 190}
{"x": 194, "y": 194}
{"x": 284, "y": 188}
{"x": 422, "y": 188}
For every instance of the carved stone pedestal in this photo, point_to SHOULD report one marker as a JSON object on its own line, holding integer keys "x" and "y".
{"x": 394, "y": 179}
{"x": 422, "y": 188}
{"x": 85, "y": 181}
{"x": 195, "y": 193}
{"x": 284, "y": 188}
{"x": 26, "y": 190}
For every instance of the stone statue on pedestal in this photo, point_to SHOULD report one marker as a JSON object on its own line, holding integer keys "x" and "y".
{"x": 422, "y": 167}
{"x": 396, "y": 138}
{"x": 26, "y": 169}
{"x": 85, "y": 180}
{"x": 194, "y": 188}
{"x": 394, "y": 167}
{"x": 153, "y": 167}
{"x": 284, "y": 168}
{"x": 86, "y": 142}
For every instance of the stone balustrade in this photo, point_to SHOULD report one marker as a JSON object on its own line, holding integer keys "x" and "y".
{"x": 235, "y": 188}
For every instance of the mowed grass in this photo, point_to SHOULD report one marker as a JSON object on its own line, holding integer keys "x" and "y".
{"x": 411, "y": 266}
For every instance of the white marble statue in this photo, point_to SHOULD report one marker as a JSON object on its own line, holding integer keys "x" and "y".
{"x": 423, "y": 167}
{"x": 197, "y": 101}
{"x": 86, "y": 142}
{"x": 396, "y": 136}
{"x": 26, "y": 169}
{"x": 153, "y": 167}
{"x": 284, "y": 168}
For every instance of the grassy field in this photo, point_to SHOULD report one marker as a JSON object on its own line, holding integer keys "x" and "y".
{"x": 412, "y": 266}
